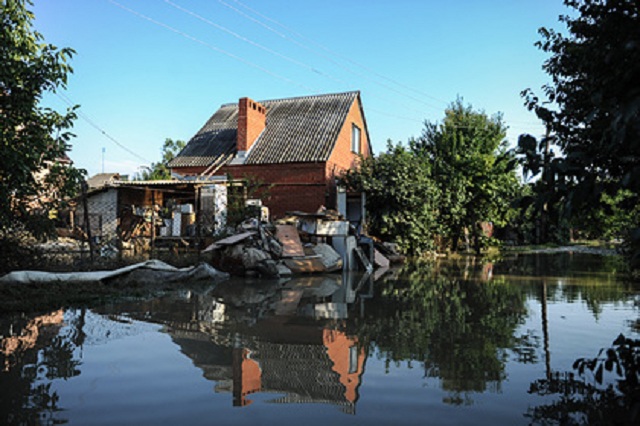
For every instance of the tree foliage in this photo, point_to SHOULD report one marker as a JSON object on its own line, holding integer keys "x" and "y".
{"x": 159, "y": 170}
{"x": 32, "y": 137}
{"x": 456, "y": 175}
{"x": 401, "y": 197}
{"x": 472, "y": 169}
{"x": 592, "y": 106}
{"x": 579, "y": 401}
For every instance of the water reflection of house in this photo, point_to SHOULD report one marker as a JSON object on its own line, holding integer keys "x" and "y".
{"x": 323, "y": 367}
{"x": 304, "y": 358}
{"x": 16, "y": 342}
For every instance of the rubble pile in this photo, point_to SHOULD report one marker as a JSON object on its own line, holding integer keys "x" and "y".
{"x": 301, "y": 243}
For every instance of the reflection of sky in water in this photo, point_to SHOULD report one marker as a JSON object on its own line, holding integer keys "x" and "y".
{"x": 182, "y": 366}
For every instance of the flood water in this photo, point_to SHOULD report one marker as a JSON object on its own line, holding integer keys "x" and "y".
{"x": 465, "y": 342}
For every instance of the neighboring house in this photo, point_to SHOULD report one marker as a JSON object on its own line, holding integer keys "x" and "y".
{"x": 297, "y": 146}
{"x": 102, "y": 179}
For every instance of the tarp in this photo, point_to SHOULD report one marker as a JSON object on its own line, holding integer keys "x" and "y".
{"x": 150, "y": 271}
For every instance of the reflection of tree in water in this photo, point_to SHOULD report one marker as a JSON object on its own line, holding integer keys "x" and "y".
{"x": 582, "y": 402}
{"x": 570, "y": 278}
{"x": 460, "y": 330}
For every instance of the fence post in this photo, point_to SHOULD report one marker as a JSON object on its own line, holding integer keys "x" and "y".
{"x": 87, "y": 223}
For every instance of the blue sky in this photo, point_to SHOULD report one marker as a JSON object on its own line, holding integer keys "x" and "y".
{"x": 147, "y": 70}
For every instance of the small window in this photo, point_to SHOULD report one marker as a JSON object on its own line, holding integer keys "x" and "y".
{"x": 355, "y": 139}
{"x": 353, "y": 359}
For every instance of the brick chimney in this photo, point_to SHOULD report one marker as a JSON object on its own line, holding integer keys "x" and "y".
{"x": 252, "y": 118}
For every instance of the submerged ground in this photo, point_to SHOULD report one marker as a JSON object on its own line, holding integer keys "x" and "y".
{"x": 464, "y": 342}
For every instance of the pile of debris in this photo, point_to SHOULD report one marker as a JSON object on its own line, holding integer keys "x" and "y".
{"x": 301, "y": 243}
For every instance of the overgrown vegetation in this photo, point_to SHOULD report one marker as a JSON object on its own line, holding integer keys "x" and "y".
{"x": 36, "y": 179}
{"x": 582, "y": 179}
{"x": 592, "y": 113}
{"x": 606, "y": 401}
{"x": 443, "y": 186}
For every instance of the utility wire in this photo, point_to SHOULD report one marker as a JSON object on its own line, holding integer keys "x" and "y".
{"x": 93, "y": 124}
{"x": 327, "y": 57}
{"x": 210, "y": 46}
{"x": 329, "y": 51}
{"x": 247, "y": 40}
{"x": 233, "y": 56}
{"x": 140, "y": 15}
{"x": 251, "y": 42}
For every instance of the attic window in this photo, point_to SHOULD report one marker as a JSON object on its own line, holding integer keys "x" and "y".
{"x": 355, "y": 139}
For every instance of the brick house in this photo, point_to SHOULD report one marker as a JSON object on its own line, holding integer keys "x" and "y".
{"x": 298, "y": 146}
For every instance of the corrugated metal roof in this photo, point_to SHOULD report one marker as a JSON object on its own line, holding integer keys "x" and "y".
{"x": 302, "y": 129}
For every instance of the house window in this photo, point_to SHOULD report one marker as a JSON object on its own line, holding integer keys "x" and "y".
{"x": 353, "y": 359}
{"x": 355, "y": 139}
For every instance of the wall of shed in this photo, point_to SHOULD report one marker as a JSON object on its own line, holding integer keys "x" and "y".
{"x": 103, "y": 217}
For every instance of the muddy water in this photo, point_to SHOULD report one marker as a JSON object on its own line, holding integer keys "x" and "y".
{"x": 465, "y": 342}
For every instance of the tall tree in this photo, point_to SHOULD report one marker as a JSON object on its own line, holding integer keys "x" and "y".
{"x": 31, "y": 136}
{"x": 592, "y": 106}
{"x": 159, "y": 170}
{"x": 472, "y": 169}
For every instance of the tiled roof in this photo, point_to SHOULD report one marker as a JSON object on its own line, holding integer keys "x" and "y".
{"x": 301, "y": 129}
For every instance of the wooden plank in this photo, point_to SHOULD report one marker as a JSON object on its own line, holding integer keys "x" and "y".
{"x": 290, "y": 240}
{"x": 305, "y": 265}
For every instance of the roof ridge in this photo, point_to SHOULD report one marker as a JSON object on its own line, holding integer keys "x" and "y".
{"x": 292, "y": 98}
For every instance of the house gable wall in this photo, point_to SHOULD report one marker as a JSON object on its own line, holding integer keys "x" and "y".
{"x": 342, "y": 157}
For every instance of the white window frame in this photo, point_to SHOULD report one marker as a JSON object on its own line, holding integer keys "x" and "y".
{"x": 355, "y": 138}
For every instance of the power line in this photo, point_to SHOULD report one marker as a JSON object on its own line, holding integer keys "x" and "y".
{"x": 247, "y": 40}
{"x": 329, "y": 58}
{"x": 292, "y": 60}
{"x": 185, "y": 10}
{"x": 331, "y": 52}
{"x": 210, "y": 46}
{"x": 253, "y": 43}
{"x": 86, "y": 118}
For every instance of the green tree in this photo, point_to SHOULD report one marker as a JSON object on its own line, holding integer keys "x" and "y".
{"x": 159, "y": 170}
{"x": 472, "y": 169}
{"x": 592, "y": 106}
{"x": 32, "y": 137}
{"x": 400, "y": 197}
{"x": 548, "y": 187}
